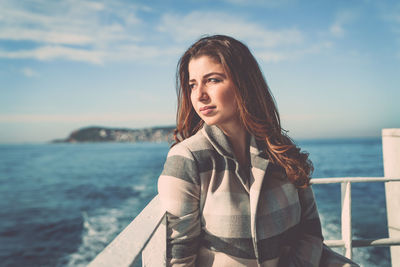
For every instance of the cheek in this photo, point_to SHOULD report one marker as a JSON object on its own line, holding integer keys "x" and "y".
{"x": 228, "y": 99}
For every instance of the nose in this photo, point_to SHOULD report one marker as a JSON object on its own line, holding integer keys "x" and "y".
{"x": 201, "y": 92}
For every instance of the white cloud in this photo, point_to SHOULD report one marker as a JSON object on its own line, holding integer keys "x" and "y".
{"x": 18, "y": 34}
{"x": 28, "y": 72}
{"x": 100, "y": 32}
{"x": 342, "y": 19}
{"x": 192, "y": 26}
{"x": 337, "y": 30}
{"x": 70, "y": 29}
{"x": 269, "y": 56}
{"x": 56, "y": 52}
{"x": 268, "y": 45}
{"x": 262, "y": 3}
{"x": 135, "y": 52}
{"x": 290, "y": 54}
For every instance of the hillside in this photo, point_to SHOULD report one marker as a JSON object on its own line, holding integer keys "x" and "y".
{"x": 103, "y": 134}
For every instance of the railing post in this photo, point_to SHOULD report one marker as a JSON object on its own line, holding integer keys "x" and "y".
{"x": 346, "y": 219}
{"x": 391, "y": 164}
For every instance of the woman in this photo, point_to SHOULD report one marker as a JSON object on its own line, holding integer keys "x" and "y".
{"x": 234, "y": 185}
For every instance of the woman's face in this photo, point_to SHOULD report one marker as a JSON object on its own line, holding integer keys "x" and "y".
{"x": 212, "y": 93}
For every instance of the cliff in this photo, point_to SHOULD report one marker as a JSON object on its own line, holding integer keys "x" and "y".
{"x": 102, "y": 134}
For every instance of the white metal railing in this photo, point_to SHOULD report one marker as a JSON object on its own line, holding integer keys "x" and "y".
{"x": 146, "y": 234}
{"x": 347, "y": 241}
{"x": 147, "y": 230}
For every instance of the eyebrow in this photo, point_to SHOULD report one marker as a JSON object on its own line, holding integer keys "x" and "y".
{"x": 211, "y": 74}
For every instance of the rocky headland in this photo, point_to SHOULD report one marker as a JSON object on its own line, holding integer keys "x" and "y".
{"x": 103, "y": 134}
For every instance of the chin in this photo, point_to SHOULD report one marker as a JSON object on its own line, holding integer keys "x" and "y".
{"x": 209, "y": 122}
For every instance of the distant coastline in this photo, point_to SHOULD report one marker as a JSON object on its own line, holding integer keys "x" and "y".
{"x": 96, "y": 134}
{"x": 99, "y": 134}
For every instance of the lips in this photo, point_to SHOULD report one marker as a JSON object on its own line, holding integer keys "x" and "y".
{"x": 206, "y": 107}
{"x": 206, "y": 110}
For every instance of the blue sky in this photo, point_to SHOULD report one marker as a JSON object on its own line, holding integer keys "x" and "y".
{"x": 333, "y": 66}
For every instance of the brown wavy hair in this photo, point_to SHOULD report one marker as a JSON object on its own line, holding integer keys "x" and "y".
{"x": 257, "y": 108}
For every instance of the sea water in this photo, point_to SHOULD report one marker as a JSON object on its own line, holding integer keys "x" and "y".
{"x": 61, "y": 204}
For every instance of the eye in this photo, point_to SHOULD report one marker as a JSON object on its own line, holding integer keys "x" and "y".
{"x": 214, "y": 80}
{"x": 191, "y": 86}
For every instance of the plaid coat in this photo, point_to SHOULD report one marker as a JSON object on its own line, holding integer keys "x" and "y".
{"x": 219, "y": 216}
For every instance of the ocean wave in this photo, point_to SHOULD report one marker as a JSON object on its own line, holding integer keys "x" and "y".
{"x": 99, "y": 229}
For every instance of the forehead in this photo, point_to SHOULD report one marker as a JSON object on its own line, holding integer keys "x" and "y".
{"x": 203, "y": 65}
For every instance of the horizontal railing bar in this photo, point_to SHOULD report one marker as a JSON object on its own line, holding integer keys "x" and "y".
{"x": 365, "y": 242}
{"x": 128, "y": 245}
{"x": 352, "y": 180}
{"x": 376, "y": 242}
{"x": 334, "y": 243}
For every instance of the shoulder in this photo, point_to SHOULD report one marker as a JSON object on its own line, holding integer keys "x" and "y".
{"x": 194, "y": 147}
{"x": 185, "y": 159}
{"x": 194, "y": 143}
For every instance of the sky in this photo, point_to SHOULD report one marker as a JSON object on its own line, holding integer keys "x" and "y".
{"x": 332, "y": 66}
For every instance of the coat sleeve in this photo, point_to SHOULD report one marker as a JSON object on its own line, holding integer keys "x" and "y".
{"x": 179, "y": 191}
{"x": 306, "y": 248}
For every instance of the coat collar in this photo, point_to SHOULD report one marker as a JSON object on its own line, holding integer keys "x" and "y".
{"x": 222, "y": 145}
{"x": 258, "y": 157}
{"x": 218, "y": 140}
